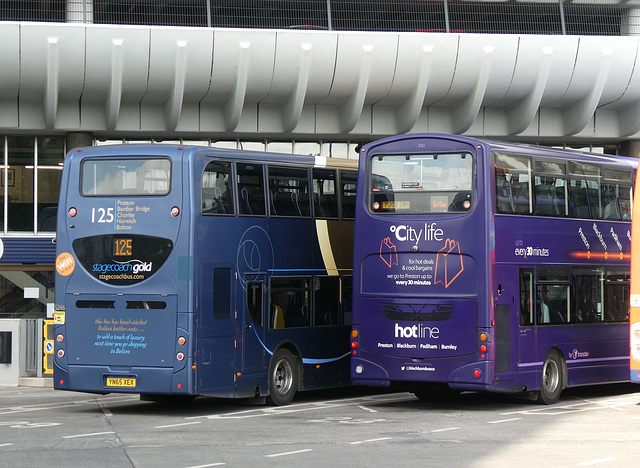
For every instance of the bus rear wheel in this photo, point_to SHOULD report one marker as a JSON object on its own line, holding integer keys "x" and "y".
{"x": 283, "y": 378}
{"x": 551, "y": 379}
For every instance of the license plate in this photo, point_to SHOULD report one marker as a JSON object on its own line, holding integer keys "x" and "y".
{"x": 121, "y": 382}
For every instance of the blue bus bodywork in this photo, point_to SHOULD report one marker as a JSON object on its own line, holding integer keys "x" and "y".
{"x": 168, "y": 292}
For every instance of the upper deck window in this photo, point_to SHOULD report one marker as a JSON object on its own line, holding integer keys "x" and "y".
{"x": 513, "y": 184}
{"x": 132, "y": 176}
{"x": 325, "y": 195}
{"x": 348, "y": 180}
{"x": 216, "y": 194}
{"x": 553, "y": 188}
{"x": 421, "y": 183}
{"x": 250, "y": 186}
{"x": 289, "y": 192}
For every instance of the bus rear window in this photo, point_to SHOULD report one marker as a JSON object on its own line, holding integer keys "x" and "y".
{"x": 133, "y": 176}
{"x": 421, "y": 183}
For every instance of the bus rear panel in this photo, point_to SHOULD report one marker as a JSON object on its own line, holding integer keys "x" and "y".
{"x": 120, "y": 325}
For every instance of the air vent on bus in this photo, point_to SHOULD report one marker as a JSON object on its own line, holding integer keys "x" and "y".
{"x": 95, "y": 304}
{"x": 146, "y": 305}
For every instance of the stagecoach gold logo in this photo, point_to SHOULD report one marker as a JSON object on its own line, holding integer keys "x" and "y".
{"x": 65, "y": 264}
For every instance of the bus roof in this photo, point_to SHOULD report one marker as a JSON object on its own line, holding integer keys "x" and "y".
{"x": 136, "y": 149}
{"x": 497, "y": 145}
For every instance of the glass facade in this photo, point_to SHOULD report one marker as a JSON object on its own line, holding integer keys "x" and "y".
{"x": 586, "y": 17}
{"x": 30, "y": 179}
{"x": 26, "y": 292}
{"x": 31, "y": 168}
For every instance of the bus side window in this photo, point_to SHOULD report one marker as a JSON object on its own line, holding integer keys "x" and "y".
{"x": 346, "y": 298}
{"x": 325, "y": 196}
{"x": 326, "y": 300}
{"x": 617, "y": 295}
{"x": 587, "y": 287}
{"x": 526, "y": 297}
{"x": 616, "y": 195}
{"x": 348, "y": 181}
{"x": 550, "y": 188}
{"x": 512, "y": 184}
{"x": 553, "y": 296}
{"x": 293, "y": 297}
{"x": 584, "y": 190}
{"x": 216, "y": 188}
{"x": 255, "y": 291}
{"x": 289, "y": 192}
{"x": 250, "y": 188}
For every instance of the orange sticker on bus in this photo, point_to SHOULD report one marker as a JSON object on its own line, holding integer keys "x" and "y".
{"x": 65, "y": 264}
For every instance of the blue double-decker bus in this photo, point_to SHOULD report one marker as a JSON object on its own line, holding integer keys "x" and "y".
{"x": 490, "y": 266}
{"x": 185, "y": 271}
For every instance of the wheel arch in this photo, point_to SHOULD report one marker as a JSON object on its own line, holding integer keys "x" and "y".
{"x": 293, "y": 349}
{"x": 565, "y": 370}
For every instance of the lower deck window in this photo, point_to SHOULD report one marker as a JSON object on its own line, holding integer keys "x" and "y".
{"x": 578, "y": 295}
{"x": 302, "y": 302}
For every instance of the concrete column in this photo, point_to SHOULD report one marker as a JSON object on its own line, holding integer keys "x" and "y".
{"x": 630, "y": 148}
{"x": 78, "y": 139}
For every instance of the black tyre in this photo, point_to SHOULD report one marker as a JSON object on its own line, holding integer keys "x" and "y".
{"x": 436, "y": 393}
{"x": 283, "y": 378}
{"x": 552, "y": 379}
{"x": 167, "y": 399}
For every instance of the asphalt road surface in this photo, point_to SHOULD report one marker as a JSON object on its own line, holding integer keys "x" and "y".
{"x": 595, "y": 426}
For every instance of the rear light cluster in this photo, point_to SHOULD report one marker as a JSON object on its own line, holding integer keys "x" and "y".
{"x": 181, "y": 341}
{"x": 60, "y": 352}
{"x": 477, "y": 373}
{"x": 60, "y": 339}
{"x": 180, "y": 356}
{"x": 354, "y": 349}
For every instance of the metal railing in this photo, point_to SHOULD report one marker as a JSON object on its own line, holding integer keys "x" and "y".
{"x": 586, "y": 17}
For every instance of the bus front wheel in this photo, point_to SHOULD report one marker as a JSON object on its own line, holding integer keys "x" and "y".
{"x": 283, "y": 378}
{"x": 551, "y": 379}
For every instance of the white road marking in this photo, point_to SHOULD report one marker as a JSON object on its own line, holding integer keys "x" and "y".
{"x": 207, "y": 466}
{"x": 301, "y": 407}
{"x": 358, "y": 442}
{"x": 179, "y": 424}
{"x": 367, "y": 409}
{"x": 503, "y": 421}
{"x": 88, "y": 435}
{"x": 582, "y": 405}
{"x": 49, "y": 406}
{"x": 447, "y": 429}
{"x": 295, "y": 452}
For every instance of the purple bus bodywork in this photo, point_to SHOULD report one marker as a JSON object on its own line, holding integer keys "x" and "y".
{"x": 439, "y": 298}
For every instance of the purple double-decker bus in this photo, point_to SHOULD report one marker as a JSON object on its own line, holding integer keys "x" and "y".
{"x": 490, "y": 266}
